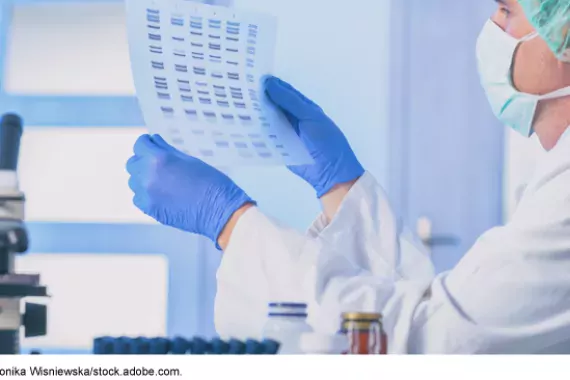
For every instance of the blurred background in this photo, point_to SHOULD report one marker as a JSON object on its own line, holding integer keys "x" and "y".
{"x": 398, "y": 76}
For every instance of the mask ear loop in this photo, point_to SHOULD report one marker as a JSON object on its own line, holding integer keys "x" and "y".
{"x": 529, "y": 37}
{"x": 526, "y": 38}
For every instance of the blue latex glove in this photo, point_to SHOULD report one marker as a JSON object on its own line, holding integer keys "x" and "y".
{"x": 335, "y": 162}
{"x": 182, "y": 191}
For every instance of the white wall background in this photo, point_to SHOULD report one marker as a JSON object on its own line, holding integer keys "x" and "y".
{"x": 70, "y": 49}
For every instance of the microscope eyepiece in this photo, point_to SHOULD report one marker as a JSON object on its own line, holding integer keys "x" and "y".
{"x": 11, "y": 129}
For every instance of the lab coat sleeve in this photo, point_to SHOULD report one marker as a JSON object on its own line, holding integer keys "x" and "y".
{"x": 266, "y": 261}
{"x": 367, "y": 231}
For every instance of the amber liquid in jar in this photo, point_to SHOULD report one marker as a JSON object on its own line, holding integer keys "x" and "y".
{"x": 365, "y": 333}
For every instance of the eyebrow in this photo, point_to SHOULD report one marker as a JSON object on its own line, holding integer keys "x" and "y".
{"x": 503, "y": 2}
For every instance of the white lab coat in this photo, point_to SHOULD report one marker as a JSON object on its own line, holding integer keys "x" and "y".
{"x": 509, "y": 294}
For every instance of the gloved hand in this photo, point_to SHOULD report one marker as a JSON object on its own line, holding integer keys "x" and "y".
{"x": 182, "y": 191}
{"x": 335, "y": 162}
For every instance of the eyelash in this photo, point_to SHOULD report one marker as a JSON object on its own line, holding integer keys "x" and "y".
{"x": 505, "y": 11}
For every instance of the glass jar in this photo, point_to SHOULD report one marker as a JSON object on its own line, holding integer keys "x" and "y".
{"x": 286, "y": 323}
{"x": 365, "y": 333}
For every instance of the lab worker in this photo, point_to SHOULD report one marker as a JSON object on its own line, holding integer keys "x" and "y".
{"x": 509, "y": 294}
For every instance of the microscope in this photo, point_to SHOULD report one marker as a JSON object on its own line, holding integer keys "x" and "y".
{"x": 13, "y": 241}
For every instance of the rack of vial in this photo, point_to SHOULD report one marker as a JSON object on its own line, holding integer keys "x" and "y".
{"x": 182, "y": 346}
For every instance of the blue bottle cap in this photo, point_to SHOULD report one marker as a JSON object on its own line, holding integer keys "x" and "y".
{"x": 103, "y": 345}
{"x": 122, "y": 346}
{"x": 294, "y": 315}
{"x": 200, "y": 347}
{"x": 288, "y": 305}
{"x": 219, "y": 347}
{"x": 141, "y": 346}
{"x": 179, "y": 346}
{"x": 97, "y": 346}
{"x": 236, "y": 347}
{"x": 253, "y": 347}
{"x": 159, "y": 346}
{"x": 270, "y": 347}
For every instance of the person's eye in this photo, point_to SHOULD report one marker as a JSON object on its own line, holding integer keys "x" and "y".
{"x": 505, "y": 11}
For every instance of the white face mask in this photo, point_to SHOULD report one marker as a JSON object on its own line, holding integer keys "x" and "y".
{"x": 495, "y": 54}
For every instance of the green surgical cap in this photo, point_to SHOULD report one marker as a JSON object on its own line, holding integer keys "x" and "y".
{"x": 551, "y": 19}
